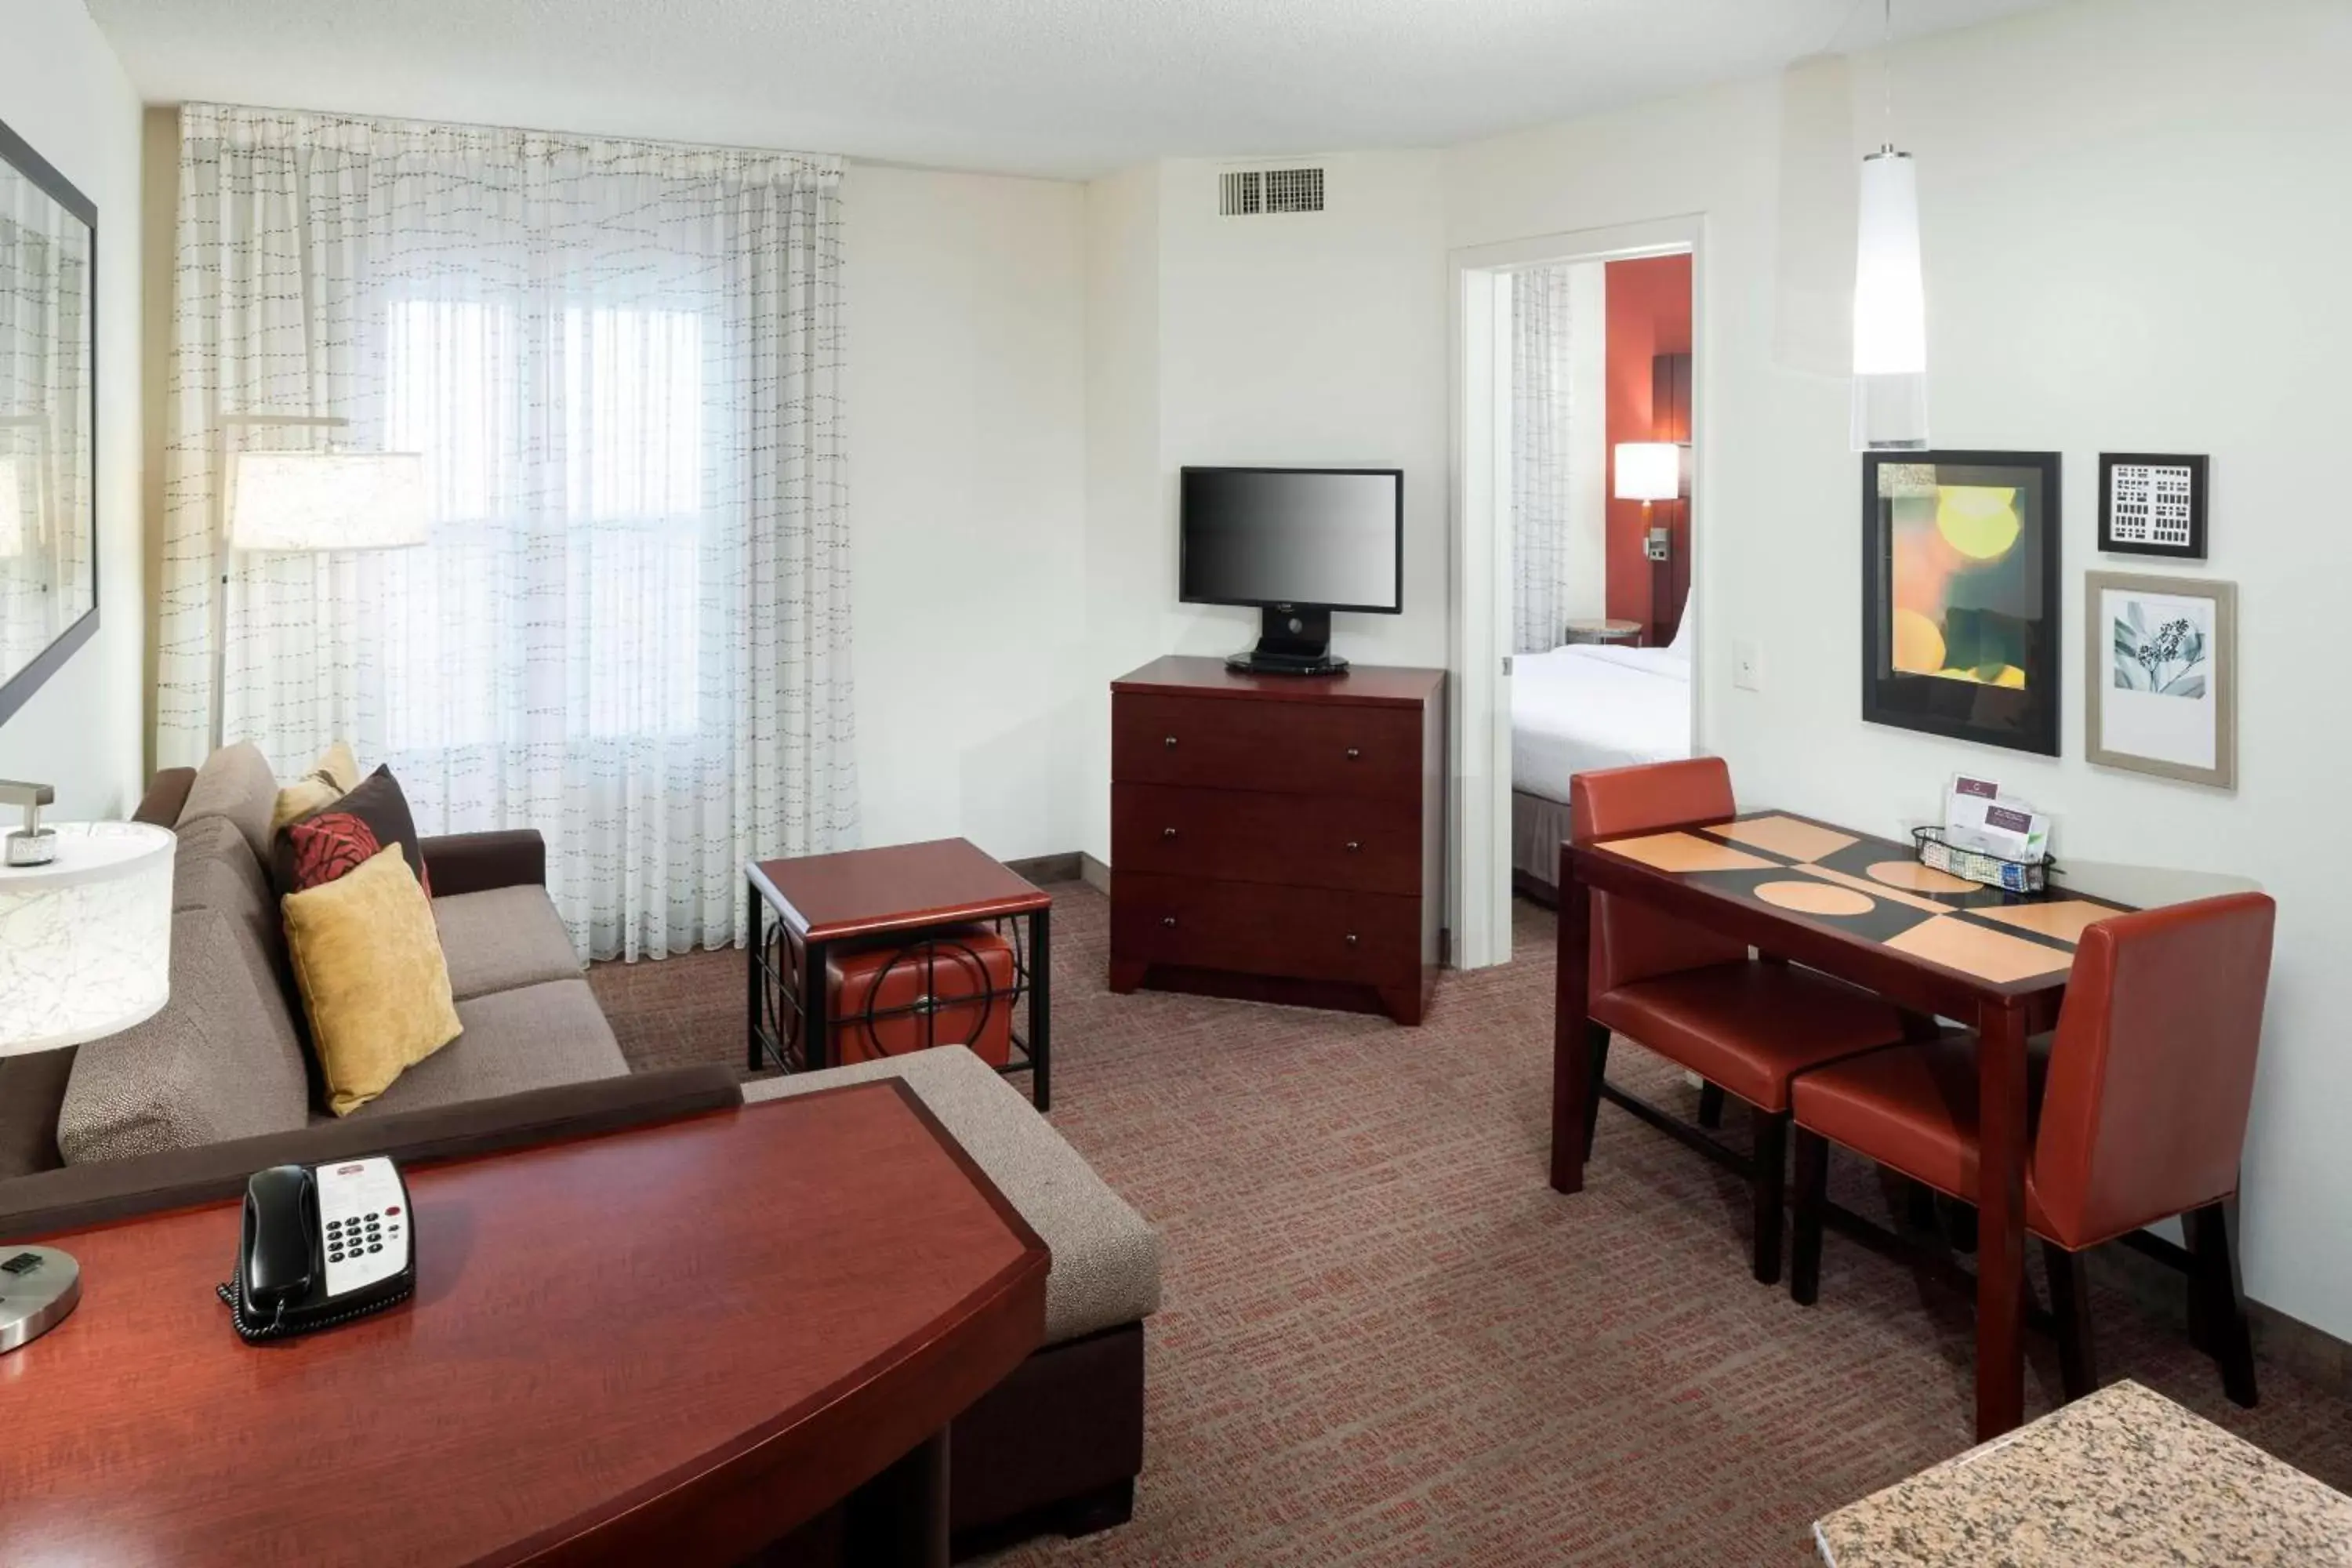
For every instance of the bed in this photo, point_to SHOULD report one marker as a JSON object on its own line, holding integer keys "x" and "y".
{"x": 1581, "y": 707}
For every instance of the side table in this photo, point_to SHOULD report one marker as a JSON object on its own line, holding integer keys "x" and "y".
{"x": 803, "y": 908}
{"x": 1628, "y": 632}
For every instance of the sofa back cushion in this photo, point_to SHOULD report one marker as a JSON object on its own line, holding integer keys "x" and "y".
{"x": 220, "y": 1061}
{"x": 236, "y": 782}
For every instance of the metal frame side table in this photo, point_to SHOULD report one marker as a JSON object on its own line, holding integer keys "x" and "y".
{"x": 1626, "y": 634}
{"x": 805, "y": 908}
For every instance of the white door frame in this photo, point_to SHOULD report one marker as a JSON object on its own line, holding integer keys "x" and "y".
{"x": 1480, "y": 848}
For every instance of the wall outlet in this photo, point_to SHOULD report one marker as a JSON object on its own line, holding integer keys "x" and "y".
{"x": 1747, "y": 665}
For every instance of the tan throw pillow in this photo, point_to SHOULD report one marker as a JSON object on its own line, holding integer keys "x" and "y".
{"x": 334, "y": 776}
{"x": 368, "y": 960}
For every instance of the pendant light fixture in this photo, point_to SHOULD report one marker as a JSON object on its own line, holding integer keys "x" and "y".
{"x": 1890, "y": 301}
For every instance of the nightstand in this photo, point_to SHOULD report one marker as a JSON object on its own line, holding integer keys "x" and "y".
{"x": 1628, "y": 632}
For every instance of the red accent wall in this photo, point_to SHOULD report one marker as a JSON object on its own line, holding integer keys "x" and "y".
{"x": 1649, "y": 314}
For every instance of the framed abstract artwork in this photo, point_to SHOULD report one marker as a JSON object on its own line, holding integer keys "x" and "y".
{"x": 2152, "y": 505}
{"x": 2161, "y": 676}
{"x": 1960, "y": 592}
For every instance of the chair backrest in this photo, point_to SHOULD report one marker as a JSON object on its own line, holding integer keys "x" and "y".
{"x": 2152, "y": 1072}
{"x": 1631, "y": 941}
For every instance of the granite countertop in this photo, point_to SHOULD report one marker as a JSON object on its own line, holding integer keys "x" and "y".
{"x": 2120, "y": 1478}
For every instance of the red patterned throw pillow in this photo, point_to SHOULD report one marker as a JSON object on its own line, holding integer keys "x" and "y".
{"x": 344, "y": 835}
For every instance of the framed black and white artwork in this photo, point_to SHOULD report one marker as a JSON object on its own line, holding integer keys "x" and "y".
{"x": 2152, "y": 505}
{"x": 2161, "y": 676}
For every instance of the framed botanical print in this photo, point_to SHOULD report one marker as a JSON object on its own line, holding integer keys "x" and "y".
{"x": 2161, "y": 676}
{"x": 2152, "y": 505}
{"x": 1961, "y": 595}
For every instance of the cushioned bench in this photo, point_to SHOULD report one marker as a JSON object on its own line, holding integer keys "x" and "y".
{"x": 1059, "y": 1443}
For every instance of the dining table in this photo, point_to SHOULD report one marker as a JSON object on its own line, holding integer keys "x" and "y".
{"x": 1864, "y": 909}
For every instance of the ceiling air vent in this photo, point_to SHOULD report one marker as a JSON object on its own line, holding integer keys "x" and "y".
{"x": 1249, "y": 193}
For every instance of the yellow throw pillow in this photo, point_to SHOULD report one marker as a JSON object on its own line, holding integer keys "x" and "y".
{"x": 334, "y": 776}
{"x": 368, "y": 959}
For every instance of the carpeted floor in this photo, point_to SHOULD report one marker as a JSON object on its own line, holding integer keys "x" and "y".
{"x": 1387, "y": 1341}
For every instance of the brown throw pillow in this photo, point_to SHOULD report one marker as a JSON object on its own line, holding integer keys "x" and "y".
{"x": 345, "y": 833}
{"x": 367, "y": 957}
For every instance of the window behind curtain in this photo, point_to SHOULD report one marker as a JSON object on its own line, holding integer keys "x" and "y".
{"x": 630, "y": 421}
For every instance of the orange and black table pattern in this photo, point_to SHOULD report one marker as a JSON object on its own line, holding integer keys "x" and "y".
{"x": 1874, "y": 889}
{"x": 910, "y": 896}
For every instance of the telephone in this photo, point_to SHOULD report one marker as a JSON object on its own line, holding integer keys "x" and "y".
{"x": 321, "y": 1245}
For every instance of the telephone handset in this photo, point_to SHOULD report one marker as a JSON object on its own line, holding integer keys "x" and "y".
{"x": 321, "y": 1245}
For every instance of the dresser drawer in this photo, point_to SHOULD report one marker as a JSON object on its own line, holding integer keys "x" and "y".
{"x": 1292, "y": 748}
{"x": 1349, "y": 842}
{"x": 1253, "y": 927}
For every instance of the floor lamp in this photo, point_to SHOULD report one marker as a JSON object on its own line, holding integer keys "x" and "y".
{"x": 305, "y": 502}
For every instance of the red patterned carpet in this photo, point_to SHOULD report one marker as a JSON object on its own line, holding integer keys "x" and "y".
{"x": 1387, "y": 1341}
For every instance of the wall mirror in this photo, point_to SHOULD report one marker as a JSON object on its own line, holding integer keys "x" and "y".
{"x": 49, "y": 416}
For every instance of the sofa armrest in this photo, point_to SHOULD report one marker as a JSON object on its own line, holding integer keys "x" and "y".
{"x": 478, "y": 862}
{"x": 166, "y": 796}
{"x": 78, "y": 1196}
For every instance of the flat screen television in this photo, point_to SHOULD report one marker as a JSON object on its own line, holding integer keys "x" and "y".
{"x": 1295, "y": 545}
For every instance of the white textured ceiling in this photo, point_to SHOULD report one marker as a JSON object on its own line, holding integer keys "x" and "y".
{"x": 1048, "y": 87}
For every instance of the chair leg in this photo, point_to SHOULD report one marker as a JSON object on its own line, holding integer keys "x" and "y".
{"x": 1710, "y": 1106}
{"x": 1812, "y": 1196}
{"x": 1919, "y": 1205}
{"x": 1770, "y": 1190}
{"x": 1599, "y": 1035}
{"x": 2070, "y": 1304}
{"x": 2213, "y": 1246}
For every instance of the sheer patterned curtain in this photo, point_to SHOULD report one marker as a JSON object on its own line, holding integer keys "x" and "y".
{"x": 1542, "y": 325}
{"x": 622, "y": 361}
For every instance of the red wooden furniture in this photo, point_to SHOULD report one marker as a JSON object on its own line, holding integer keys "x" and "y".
{"x": 907, "y": 900}
{"x": 675, "y": 1345}
{"x": 1745, "y": 1026}
{"x": 2138, "y": 1113}
{"x": 1278, "y": 837}
{"x": 1932, "y": 946}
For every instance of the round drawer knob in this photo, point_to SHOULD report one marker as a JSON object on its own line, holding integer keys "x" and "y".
{"x": 1167, "y": 833}
{"x": 1171, "y": 742}
{"x": 1169, "y": 922}
{"x": 1353, "y": 845}
{"x": 1352, "y": 752}
{"x": 1351, "y": 939}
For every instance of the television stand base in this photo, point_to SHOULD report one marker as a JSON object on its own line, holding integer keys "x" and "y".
{"x": 1291, "y": 641}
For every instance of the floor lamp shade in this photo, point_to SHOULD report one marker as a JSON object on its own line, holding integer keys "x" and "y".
{"x": 1649, "y": 470}
{"x": 86, "y": 940}
{"x": 303, "y": 502}
{"x": 1890, "y": 309}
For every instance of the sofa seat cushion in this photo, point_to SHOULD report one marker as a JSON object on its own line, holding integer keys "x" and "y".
{"x": 1105, "y": 1267}
{"x": 534, "y": 1037}
{"x": 504, "y": 938}
{"x": 218, "y": 1062}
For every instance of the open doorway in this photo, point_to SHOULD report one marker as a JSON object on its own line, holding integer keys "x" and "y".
{"x": 1576, "y": 484}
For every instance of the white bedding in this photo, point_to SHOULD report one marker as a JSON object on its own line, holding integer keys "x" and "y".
{"x": 1592, "y": 705}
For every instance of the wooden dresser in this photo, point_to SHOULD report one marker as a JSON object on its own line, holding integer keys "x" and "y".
{"x": 1278, "y": 837}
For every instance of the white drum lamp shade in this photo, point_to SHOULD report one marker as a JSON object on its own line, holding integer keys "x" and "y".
{"x": 1649, "y": 470}
{"x": 86, "y": 940}
{"x": 304, "y": 501}
{"x": 1890, "y": 309}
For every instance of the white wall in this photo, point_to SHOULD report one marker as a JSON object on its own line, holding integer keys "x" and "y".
{"x": 1585, "y": 567}
{"x": 2135, "y": 222}
{"x": 62, "y": 91}
{"x": 965, "y": 299}
{"x": 1285, "y": 340}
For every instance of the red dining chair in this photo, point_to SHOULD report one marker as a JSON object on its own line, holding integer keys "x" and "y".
{"x": 1745, "y": 1026}
{"x": 2138, "y": 1113}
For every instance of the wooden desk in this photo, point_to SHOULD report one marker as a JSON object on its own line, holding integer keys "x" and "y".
{"x": 674, "y": 1345}
{"x": 1862, "y": 909}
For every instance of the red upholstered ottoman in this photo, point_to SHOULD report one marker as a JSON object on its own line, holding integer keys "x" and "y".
{"x": 950, "y": 987}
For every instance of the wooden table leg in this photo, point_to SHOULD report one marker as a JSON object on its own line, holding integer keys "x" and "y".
{"x": 1041, "y": 1009}
{"x": 901, "y": 1517}
{"x": 2001, "y": 1219}
{"x": 1572, "y": 1040}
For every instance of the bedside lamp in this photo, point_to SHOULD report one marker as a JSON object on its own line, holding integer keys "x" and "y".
{"x": 84, "y": 951}
{"x": 308, "y": 501}
{"x": 1649, "y": 470}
